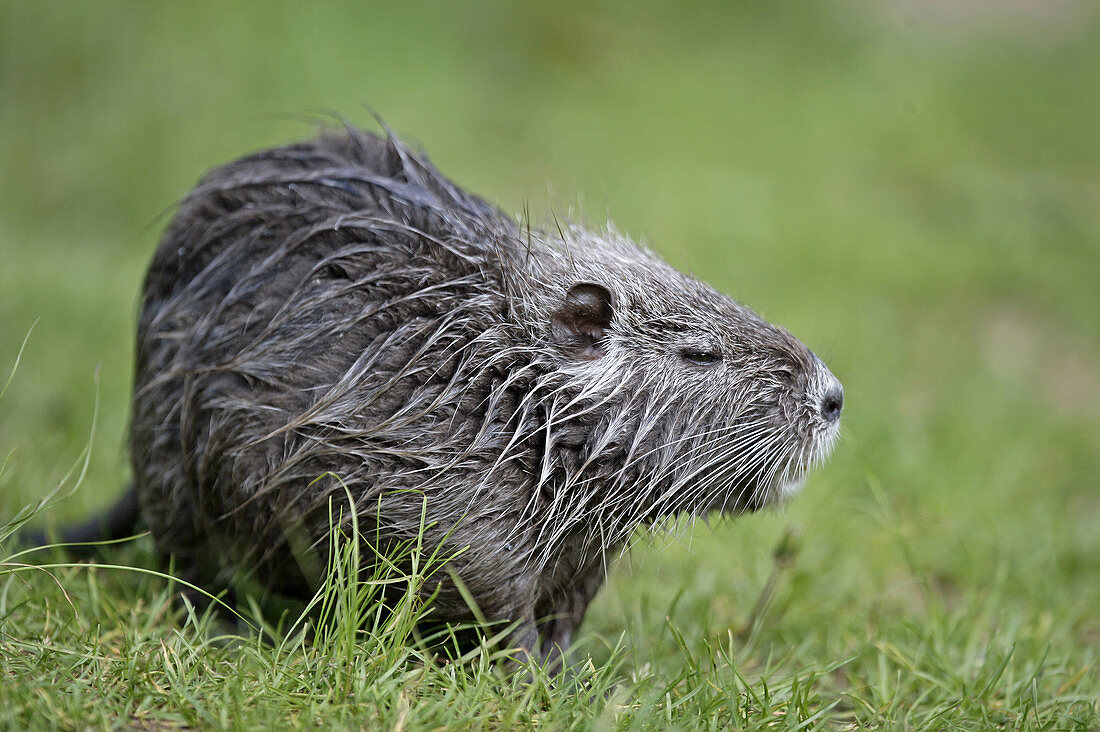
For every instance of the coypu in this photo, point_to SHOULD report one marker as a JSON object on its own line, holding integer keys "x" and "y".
{"x": 337, "y": 313}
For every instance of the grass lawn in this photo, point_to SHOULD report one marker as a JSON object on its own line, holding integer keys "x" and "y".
{"x": 911, "y": 188}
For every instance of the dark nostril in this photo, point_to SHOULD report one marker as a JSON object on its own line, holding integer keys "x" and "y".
{"x": 832, "y": 403}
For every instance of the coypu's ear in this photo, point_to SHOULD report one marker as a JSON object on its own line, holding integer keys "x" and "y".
{"x": 583, "y": 319}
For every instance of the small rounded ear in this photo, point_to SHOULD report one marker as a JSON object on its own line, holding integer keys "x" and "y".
{"x": 583, "y": 319}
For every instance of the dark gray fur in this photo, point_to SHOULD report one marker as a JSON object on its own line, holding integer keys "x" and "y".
{"x": 338, "y": 306}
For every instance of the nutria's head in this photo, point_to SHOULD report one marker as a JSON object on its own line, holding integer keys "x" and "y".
{"x": 678, "y": 400}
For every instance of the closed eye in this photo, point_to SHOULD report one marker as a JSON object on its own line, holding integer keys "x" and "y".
{"x": 700, "y": 358}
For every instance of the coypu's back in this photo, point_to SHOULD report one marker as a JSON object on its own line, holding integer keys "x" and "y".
{"x": 350, "y": 173}
{"x": 340, "y": 308}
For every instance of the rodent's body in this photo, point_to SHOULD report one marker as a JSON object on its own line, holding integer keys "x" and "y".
{"x": 338, "y": 307}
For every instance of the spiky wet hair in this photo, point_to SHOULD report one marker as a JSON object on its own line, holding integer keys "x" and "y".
{"x": 338, "y": 309}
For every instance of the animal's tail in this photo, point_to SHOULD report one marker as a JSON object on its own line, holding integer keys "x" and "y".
{"x": 117, "y": 522}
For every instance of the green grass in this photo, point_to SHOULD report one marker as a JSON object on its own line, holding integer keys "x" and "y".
{"x": 912, "y": 190}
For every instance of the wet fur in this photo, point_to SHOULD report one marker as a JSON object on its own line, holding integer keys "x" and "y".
{"x": 338, "y": 307}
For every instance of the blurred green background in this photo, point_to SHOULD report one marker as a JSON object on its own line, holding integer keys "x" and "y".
{"x": 912, "y": 188}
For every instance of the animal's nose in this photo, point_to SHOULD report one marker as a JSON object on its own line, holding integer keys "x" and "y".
{"x": 832, "y": 403}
